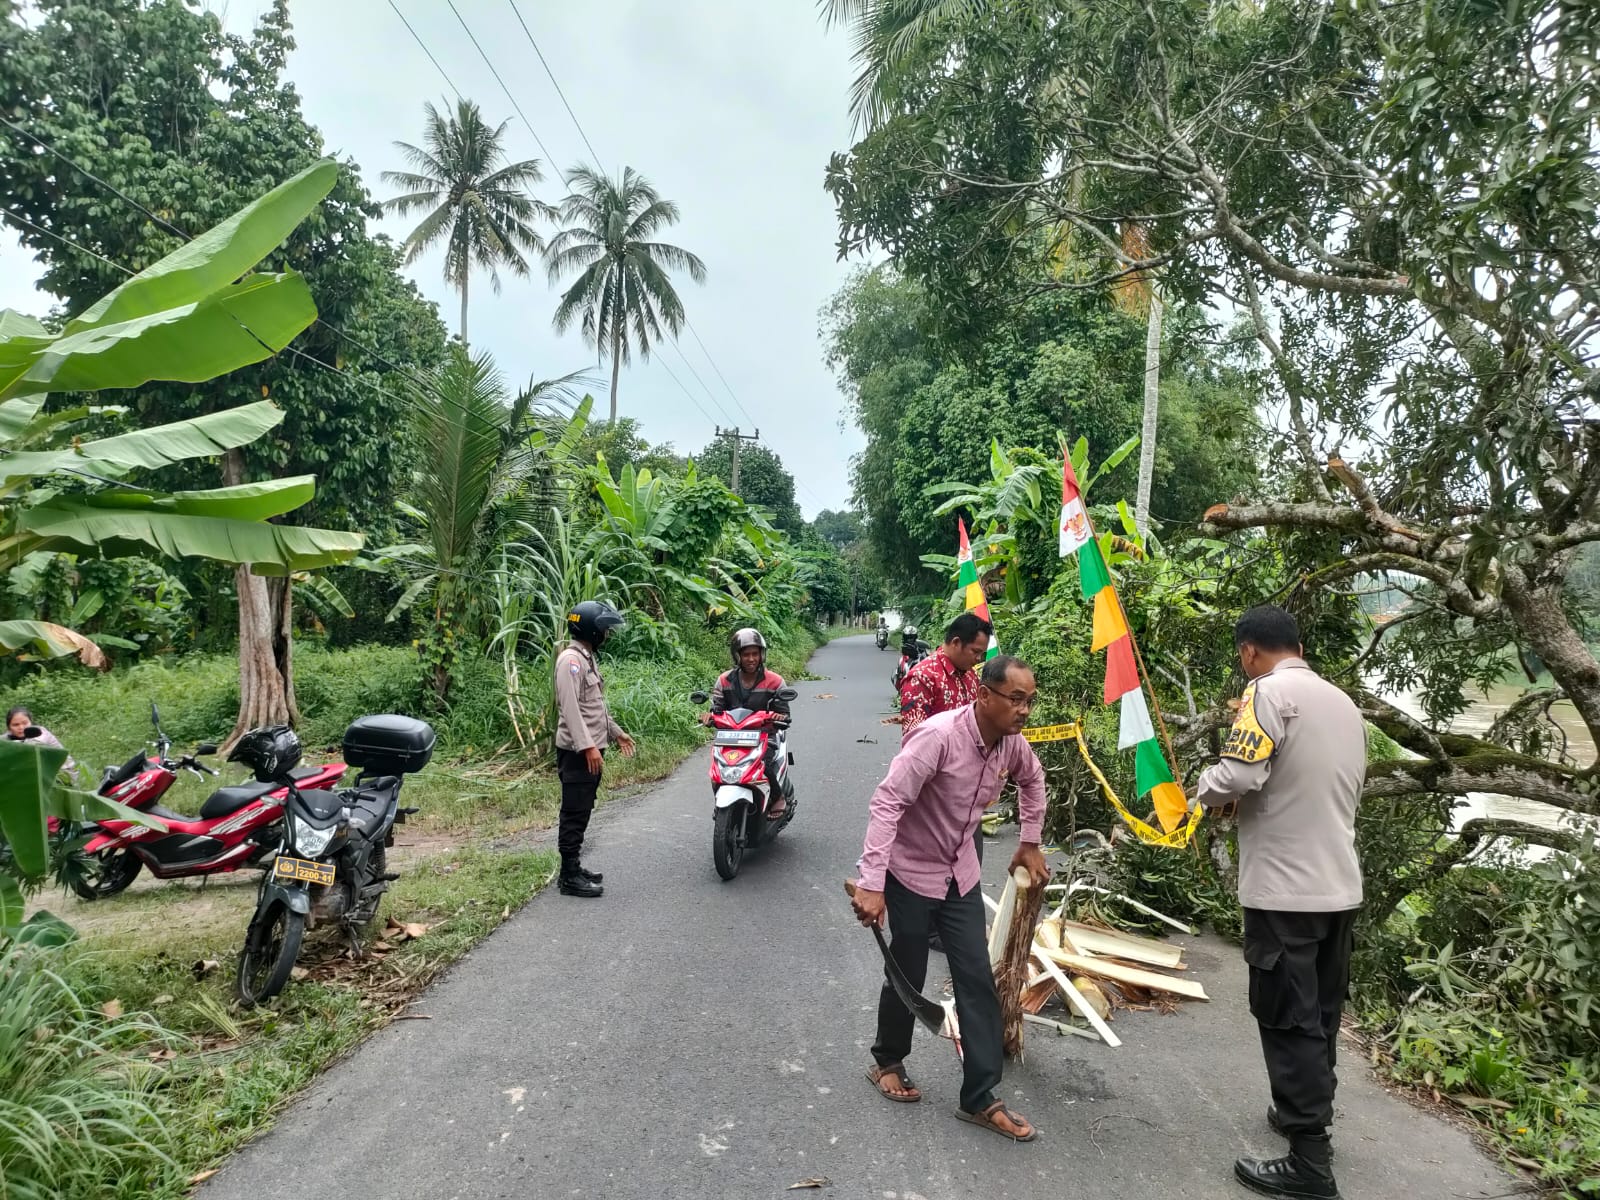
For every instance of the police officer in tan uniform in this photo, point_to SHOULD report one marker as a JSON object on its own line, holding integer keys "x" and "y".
{"x": 584, "y": 726}
{"x": 1294, "y": 764}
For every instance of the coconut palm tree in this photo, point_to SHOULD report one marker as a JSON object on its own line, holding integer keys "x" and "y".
{"x": 622, "y": 291}
{"x": 478, "y": 204}
{"x": 486, "y": 477}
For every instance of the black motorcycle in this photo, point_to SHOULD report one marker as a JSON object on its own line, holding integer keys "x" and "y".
{"x": 882, "y": 637}
{"x": 332, "y": 864}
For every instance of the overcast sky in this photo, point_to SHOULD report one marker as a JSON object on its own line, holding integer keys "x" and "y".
{"x": 730, "y": 107}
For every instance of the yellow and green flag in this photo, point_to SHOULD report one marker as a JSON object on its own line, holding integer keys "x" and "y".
{"x": 1123, "y": 686}
{"x": 967, "y": 576}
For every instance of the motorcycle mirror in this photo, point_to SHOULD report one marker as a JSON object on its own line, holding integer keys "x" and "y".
{"x": 206, "y": 748}
{"x": 788, "y": 693}
{"x": 698, "y": 697}
{"x": 155, "y": 715}
{"x": 32, "y": 731}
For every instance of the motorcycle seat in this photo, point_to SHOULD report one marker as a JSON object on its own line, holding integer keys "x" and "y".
{"x": 231, "y": 799}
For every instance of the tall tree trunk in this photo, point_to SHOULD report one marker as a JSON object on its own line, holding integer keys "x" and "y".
{"x": 616, "y": 366}
{"x": 266, "y": 675}
{"x": 1152, "y": 399}
{"x": 463, "y": 312}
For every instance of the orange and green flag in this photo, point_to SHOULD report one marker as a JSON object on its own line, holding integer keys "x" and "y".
{"x": 1123, "y": 687}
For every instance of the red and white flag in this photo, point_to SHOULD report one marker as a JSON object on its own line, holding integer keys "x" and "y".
{"x": 1074, "y": 523}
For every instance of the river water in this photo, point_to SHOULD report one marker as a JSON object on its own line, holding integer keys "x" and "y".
{"x": 1476, "y": 720}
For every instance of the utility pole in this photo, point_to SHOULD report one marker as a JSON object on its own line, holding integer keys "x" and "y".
{"x": 738, "y": 439}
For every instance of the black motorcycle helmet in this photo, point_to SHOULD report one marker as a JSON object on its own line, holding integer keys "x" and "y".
{"x": 909, "y": 635}
{"x": 742, "y": 639}
{"x": 271, "y": 753}
{"x": 592, "y": 622}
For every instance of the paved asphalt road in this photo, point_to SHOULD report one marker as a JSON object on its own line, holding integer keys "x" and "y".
{"x": 685, "y": 1037}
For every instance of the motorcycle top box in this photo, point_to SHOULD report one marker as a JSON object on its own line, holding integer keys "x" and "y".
{"x": 388, "y": 745}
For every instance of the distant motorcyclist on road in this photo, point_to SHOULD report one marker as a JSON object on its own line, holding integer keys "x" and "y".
{"x": 911, "y": 645}
{"x": 751, "y": 686}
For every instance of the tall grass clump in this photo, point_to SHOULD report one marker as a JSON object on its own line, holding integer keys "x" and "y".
{"x": 76, "y": 1118}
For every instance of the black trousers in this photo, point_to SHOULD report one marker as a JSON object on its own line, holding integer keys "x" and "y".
{"x": 960, "y": 921}
{"x": 578, "y": 791}
{"x": 1299, "y": 978}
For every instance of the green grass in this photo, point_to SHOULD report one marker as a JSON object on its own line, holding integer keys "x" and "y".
{"x": 233, "y": 1070}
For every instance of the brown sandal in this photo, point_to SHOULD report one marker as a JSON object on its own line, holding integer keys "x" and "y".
{"x": 875, "y": 1076}
{"x": 986, "y": 1120}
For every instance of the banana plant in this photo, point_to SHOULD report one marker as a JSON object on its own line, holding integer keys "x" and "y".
{"x": 200, "y": 312}
{"x": 1021, "y": 494}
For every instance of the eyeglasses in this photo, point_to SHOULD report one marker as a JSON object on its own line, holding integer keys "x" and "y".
{"x": 1016, "y": 699}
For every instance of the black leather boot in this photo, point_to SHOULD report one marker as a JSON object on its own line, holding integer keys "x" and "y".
{"x": 574, "y": 882}
{"x": 591, "y": 876}
{"x": 1305, "y": 1173}
{"x": 1277, "y": 1127}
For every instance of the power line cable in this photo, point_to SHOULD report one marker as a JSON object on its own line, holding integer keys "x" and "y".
{"x": 532, "y": 42}
{"x": 710, "y": 395}
{"x": 690, "y": 325}
{"x": 692, "y": 399}
{"x": 84, "y": 171}
{"x": 425, "y": 49}
{"x": 582, "y": 133}
{"x": 549, "y": 158}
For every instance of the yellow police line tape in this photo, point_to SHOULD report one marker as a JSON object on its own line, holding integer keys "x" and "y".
{"x": 1145, "y": 832}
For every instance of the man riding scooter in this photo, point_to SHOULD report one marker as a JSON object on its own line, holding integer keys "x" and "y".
{"x": 750, "y": 685}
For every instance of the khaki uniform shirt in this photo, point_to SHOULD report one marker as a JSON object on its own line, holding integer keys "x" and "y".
{"x": 582, "y": 719}
{"x": 1295, "y": 761}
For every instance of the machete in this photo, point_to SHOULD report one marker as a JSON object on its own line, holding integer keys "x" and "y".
{"x": 939, "y": 1018}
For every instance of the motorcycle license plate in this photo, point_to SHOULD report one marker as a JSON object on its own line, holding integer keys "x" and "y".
{"x": 739, "y": 737}
{"x": 300, "y": 870}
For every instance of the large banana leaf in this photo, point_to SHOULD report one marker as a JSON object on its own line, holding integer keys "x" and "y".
{"x": 217, "y": 257}
{"x": 49, "y": 640}
{"x": 242, "y": 502}
{"x": 30, "y": 792}
{"x": 16, "y": 416}
{"x": 191, "y": 343}
{"x": 158, "y": 446}
{"x": 73, "y": 521}
{"x": 27, "y": 777}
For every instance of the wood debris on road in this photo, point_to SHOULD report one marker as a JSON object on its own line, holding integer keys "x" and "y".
{"x": 1041, "y": 957}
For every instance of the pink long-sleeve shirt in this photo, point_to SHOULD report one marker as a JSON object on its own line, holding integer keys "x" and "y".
{"x": 925, "y": 811}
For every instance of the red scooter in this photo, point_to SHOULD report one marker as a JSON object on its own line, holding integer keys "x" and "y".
{"x": 236, "y": 826}
{"x": 739, "y": 785}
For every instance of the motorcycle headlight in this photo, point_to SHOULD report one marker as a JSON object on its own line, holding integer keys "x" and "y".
{"x": 311, "y": 841}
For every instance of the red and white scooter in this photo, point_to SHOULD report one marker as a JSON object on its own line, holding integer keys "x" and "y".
{"x": 237, "y": 826}
{"x": 742, "y": 792}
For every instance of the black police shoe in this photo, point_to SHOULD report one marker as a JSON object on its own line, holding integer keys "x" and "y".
{"x": 574, "y": 882}
{"x": 1302, "y": 1174}
{"x": 1276, "y": 1124}
{"x": 591, "y": 876}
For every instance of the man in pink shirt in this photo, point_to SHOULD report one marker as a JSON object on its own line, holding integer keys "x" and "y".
{"x": 919, "y": 870}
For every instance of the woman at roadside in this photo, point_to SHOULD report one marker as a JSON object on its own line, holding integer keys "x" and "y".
{"x": 19, "y": 720}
